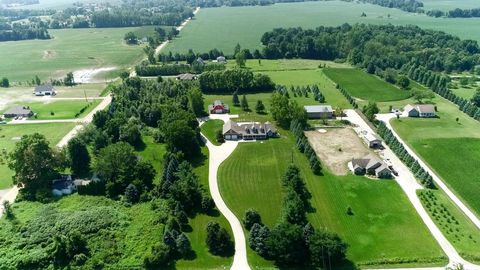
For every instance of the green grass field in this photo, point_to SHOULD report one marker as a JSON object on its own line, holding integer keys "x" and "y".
{"x": 10, "y": 134}
{"x": 69, "y": 50}
{"x": 61, "y": 109}
{"x": 209, "y": 129}
{"x": 59, "y": 4}
{"x": 458, "y": 229}
{"x": 450, "y": 148}
{"x": 224, "y": 27}
{"x": 464, "y": 92}
{"x": 384, "y": 226}
{"x": 365, "y": 86}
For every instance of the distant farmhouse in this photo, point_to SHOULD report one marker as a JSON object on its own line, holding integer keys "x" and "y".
{"x": 319, "y": 111}
{"x": 251, "y": 131}
{"x": 221, "y": 60}
{"x": 218, "y": 107}
{"x": 424, "y": 111}
{"x": 370, "y": 165}
{"x": 18, "y": 111}
{"x": 186, "y": 77}
{"x": 44, "y": 90}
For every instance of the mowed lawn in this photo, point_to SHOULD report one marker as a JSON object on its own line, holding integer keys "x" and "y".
{"x": 224, "y": 27}
{"x": 210, "y": 128}
{"x": 69, "y": 50}
{"x": 61, "y": 109}
{"x": 384, "y": 226}
{"x": 11, "y": 134}
{"x": 365, "y": 86}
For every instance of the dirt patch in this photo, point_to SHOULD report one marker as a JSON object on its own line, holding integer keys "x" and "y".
{"x": 336, "y": 147}
{"x": 49, "y": 54}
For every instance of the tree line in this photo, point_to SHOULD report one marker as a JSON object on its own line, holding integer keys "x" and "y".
{"x": 422, "y": 176}
{"x": 405, "y": 5}
{"x": 175, "y": 69}
{"x": 236, "y": 80}
{"x": 293, "y": 241}
{"x": 381, "y": 46}
{"x": 455, "y": 13}
{"x": 23, "y": 31}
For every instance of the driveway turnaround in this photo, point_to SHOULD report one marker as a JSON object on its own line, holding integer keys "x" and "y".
{"x": 409, "y": 185}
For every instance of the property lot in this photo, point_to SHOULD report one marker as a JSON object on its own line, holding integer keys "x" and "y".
{"x": 384, "y": 229}
{"x": 336, "y": 147}
{"x": 365, "y": 86}
{"x": 10, "y": 134}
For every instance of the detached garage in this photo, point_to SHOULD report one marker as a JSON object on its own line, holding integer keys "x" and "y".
{"x": 319, "y": 111}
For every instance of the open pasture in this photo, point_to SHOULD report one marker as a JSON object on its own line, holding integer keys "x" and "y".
{"x": 365, "y": 86}
{"x": 224, "y": 27}
{"x": 68, "y": 51}
{"x": 10, "y": 134}
{"x": 384, "y": 226}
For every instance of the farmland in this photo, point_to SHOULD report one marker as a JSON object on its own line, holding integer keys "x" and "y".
{"x": 366, "y": 86}
{"x": 69, "y": 50}
{"x": 224, "y": 27}
{"x": 10, "y": 134}
{"x": 449, "y": 147}
{"x": 384, "y": 227}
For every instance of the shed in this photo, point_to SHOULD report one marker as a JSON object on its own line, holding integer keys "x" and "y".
{"x": 319, "y": 111}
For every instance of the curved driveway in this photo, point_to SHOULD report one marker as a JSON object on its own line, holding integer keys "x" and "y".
{"x": 217, "y": 155}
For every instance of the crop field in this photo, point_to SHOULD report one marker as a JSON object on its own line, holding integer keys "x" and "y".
{"x": 224, "y": 27}
{"x": 69, "y": 50}
{"x": 59, "y": 4}
{"x": 384, "y": 226}
{"x": 10, "y": 134}
{"x": 366, "y": 86}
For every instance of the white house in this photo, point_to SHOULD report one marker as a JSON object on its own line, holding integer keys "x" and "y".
{"x": 44, "y": 90}
{"x": 423, "y": 111}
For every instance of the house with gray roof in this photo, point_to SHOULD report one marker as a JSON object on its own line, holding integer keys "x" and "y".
{"x": 18, "y": 111}
{"x": 233, "y": 131}
{"x": 370, "y": 165}
{"x": 423, "y": 111}
{"x": 319, "y": 111}
{"x": 186, "y": 77}
{"x": 221, "y": 60}
{"x": 44, "y": 90}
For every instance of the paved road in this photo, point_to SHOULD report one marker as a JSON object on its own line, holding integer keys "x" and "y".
{"x": 386, "y": 118}
{"x": 217, "y": 155}
{"x": 409, "y": 185}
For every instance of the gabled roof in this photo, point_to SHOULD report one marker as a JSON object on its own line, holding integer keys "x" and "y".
{"x": 19, "y": 110}
{"x": 372, "y": 137}
{"x": 408, "y": 108}
{"x": 318, "y": 108}
{"x": 230, "y": 125}
{"x": 367, "y": 162}
{"x": 427, "y": 108}
{"x": 186, "y": 77}
{"x": 44, "y": 88}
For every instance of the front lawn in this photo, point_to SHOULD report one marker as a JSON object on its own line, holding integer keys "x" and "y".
{"x": 62, "y": 109}
{"x": 365, "y": 86}
{"x": 10, "y": 134}
{"x": 210, "y": 128}
{"x": 384, "y": 228}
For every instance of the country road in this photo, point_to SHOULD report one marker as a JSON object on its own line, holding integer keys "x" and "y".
{"x": 407, "y": 181}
